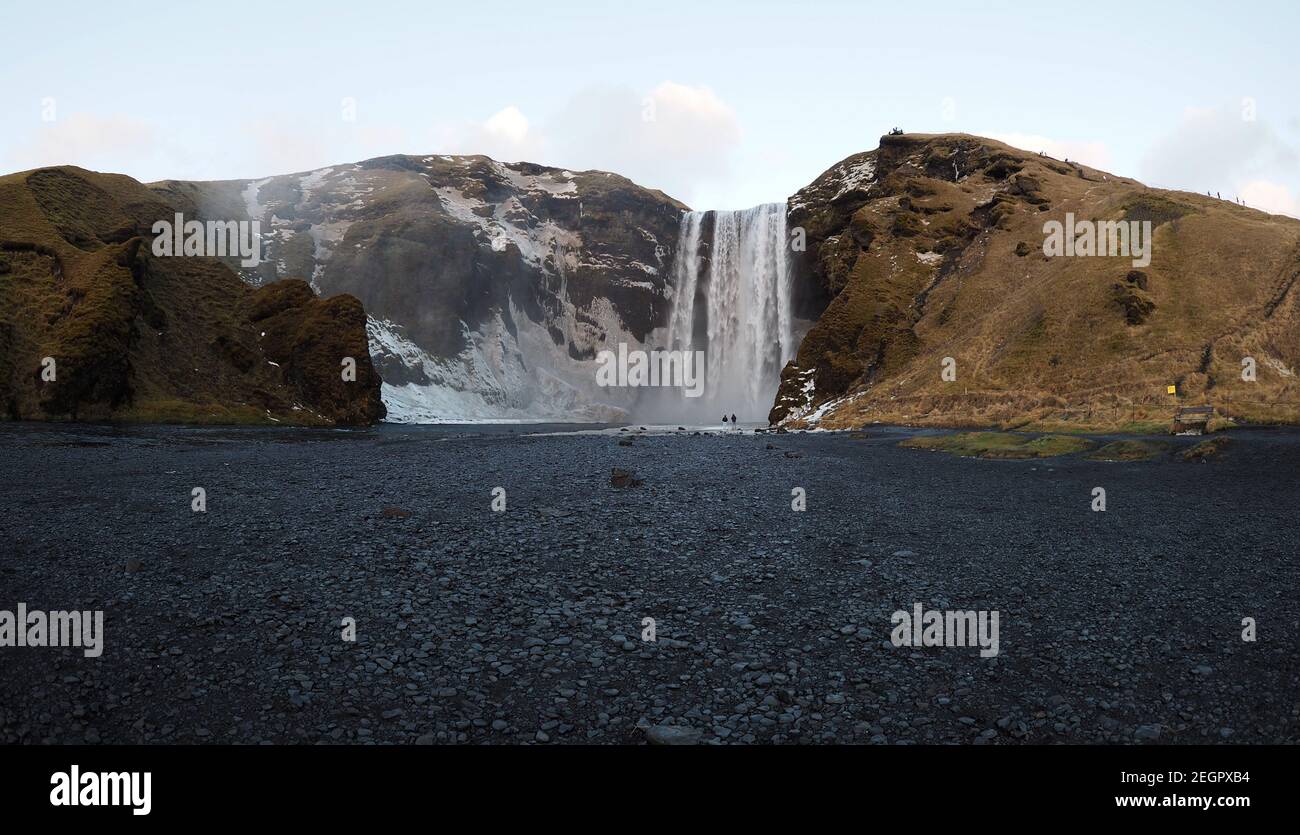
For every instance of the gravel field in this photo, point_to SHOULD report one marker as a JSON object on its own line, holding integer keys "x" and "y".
{"x": 525, "y": 626}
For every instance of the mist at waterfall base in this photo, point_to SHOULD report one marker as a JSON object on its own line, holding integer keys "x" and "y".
{"x": 732, "y": 300}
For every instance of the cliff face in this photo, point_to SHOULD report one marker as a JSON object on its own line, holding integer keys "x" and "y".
{"x": 94, "y": 326}
{"x": 930, "y": 250}
{"x": 490, "y": 287}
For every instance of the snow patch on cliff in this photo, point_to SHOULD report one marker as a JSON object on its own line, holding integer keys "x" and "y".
{"x": 855, "y": 176}
{"x": 249, "y": 194}
{"x": 563, "y": 187}
{"x": 491, "y": 381}
{"x": 310, "y": 181}
{"x": 508, "y": 222}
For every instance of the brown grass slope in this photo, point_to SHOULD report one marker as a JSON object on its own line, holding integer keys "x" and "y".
{"x": 940, "y": 254}
{"x": 144, "y": 338}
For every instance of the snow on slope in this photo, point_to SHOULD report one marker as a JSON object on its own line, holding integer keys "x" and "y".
{"x": 496, "y": 379}
{"x": 595, "y": 232}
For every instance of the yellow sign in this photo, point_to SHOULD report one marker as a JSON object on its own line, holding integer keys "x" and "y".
{"x": 1172, "y": 389}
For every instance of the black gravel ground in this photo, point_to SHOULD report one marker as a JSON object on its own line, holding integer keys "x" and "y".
{"x": 525, "y": 626}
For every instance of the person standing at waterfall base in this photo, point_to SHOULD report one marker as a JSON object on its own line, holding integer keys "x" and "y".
{"x": 733, "y": 423}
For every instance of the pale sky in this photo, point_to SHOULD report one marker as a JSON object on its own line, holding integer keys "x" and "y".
{"x": 720, "y": 104}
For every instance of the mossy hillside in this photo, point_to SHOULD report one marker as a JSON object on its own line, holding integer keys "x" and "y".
{"x": 1038, "y": 342}
{"x": 1000, "y": 445}
{"x": 1128, "y": 450}
{"x": 311, "y": 339}
{"x": 1207, "y": 449}
{"x": 138, "y": 337}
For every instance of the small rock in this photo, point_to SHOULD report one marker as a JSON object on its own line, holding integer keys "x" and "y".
{"x": 1147, "y": 732}
{"x": 672, "y": 735}
{"x": 624, "y": 478}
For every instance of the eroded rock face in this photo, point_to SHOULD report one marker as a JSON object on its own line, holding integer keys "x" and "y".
{"x": 490, "y": 287}
{"x": 94, "y": 326}
{"x": 320, "y": 346}
{"x": 929, "y": 252}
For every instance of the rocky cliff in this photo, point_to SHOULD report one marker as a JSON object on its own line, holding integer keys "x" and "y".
{"x": 931, "y": 252}
{"x": 94, "y": 326}
{"x": 490, "y": 287}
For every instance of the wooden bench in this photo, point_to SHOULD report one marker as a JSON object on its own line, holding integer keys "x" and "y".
{"x": 1192, "y": 420}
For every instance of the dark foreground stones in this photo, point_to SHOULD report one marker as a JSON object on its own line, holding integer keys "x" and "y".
{"x": 533, "y": 625}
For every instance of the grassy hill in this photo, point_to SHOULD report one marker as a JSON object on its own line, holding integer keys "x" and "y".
{"x": 931, "y": 247}
{"x": 139, "y": 337}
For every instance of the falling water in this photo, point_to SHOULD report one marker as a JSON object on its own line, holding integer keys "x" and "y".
{"x": 732, "y": 301}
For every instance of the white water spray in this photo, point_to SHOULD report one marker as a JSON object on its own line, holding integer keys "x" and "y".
{"x": 742, "y": 275}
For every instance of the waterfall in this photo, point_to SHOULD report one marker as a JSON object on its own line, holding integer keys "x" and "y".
{"x": 732, "y": 301}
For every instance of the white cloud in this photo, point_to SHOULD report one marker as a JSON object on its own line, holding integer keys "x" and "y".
{"x": 277, "y": 150}
{"x": 676, "y": 138}
{"x": 1211, "y": 149}
{"x": 377, "y": 140}
{"x": 685, "y": 121}
{"x": 1091, "y": 153}
{"x": 506, "y": 135}
{"x": 87, "y": 140}
{"x": 509, "y": 125}
{"x": 1270, "y": 197}
{"x": 1216, "y": 149}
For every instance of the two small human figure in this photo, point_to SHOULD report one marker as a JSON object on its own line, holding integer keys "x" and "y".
{"x": 733, "y": 421}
